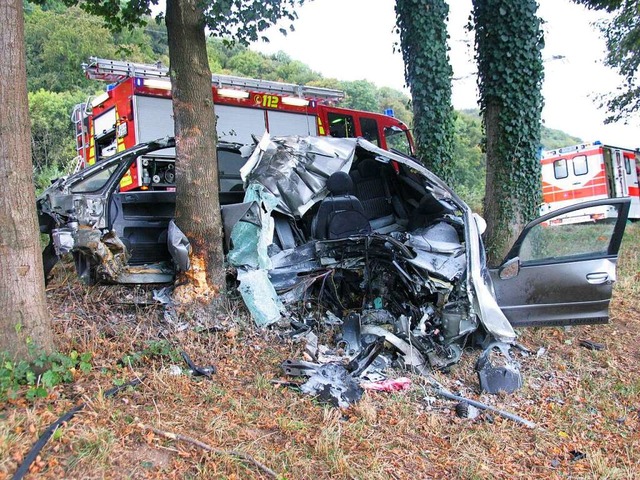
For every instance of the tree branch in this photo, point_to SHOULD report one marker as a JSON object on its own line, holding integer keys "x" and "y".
{"x": 233, "y": 453}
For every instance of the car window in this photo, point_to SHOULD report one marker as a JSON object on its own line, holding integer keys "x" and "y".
{"x": 580, "y": 165}
{"x": 369, "y": 128}
{"x": 560, "y": 169}
{"x": 341, "y": 125}
{"x": 229, "y": 164}
{"x": 94, "y": 182}
{"x": 577, "y": 236}
{"x": 397, "y": 139}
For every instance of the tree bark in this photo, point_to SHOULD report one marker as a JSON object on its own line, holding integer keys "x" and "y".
{"x": 509, "y": 42}
{"x": 25, "y": 318}
{"x": 197, "y": 202}
{"x": 500, "y": 234}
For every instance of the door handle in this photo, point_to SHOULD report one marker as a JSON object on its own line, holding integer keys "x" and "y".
{"x": 597, "y": 278}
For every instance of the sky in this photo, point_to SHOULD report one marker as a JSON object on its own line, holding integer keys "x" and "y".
{"x": 354, "y": 40}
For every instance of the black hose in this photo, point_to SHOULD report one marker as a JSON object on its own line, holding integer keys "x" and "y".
{"x": 44, "y": 438}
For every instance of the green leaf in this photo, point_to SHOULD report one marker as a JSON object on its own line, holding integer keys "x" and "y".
{"x": 50, "y": 378}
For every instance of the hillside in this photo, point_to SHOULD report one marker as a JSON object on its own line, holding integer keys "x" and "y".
{"x": 60, "y": 39}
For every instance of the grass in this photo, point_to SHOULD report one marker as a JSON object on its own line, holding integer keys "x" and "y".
{"x": 583, "y": 401}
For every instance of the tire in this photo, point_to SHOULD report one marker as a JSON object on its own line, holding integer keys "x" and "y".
{"x": 49, "y": 260}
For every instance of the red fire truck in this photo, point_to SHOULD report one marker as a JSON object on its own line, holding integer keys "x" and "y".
{"x": 589, "y": 172}
{"x": 137, "y": 108}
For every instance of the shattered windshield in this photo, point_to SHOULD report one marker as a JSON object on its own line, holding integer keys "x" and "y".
{"x": 95, "y": 182}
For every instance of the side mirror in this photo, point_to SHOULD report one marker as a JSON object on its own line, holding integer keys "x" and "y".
{"x": 480, "y": 222}
{"x": 509, "y": 269}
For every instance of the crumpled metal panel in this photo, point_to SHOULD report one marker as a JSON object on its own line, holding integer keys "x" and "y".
{"x": 478, "y": 286}
{"x": 238, "y": 212}
{"x": 295, "y": 169}
{"x": 447, "y": 267}
{"x": 179, "y": 247}
{"x": 107, "y": 250}
{"x": 63, "y": 239}
{"x": 440, "y": 237}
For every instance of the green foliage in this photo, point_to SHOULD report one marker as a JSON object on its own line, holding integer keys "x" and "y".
{"x": 509, "y": 42}
{"x": 398, "y": 101}
{"x": 622, "y": 35}
{"x": 239, "y": 21}
{"x": 423, "y": 38}
{"x": 59, "y": 41}
{"x": 52, "y": 139}
{"x": 39, "y": 377}
{"x": 153, "y": 349}
{"x": 361, "y": 95}
{"x": 551, "y": 138}
{"x": 248, "y": 64}
{"x": 608, "y": 5}
{"x": 468, "y": 159}
{"x": 623, "y": 44}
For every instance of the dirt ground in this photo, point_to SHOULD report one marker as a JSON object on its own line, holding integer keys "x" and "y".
{"x": 585, "y": 403}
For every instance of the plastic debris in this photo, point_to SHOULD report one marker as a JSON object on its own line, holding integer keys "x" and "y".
{"x": 334, "y": 385}
{"x": 388, "y": 385}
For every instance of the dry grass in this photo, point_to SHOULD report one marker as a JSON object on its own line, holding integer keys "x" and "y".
{"x": 584, "y": 401}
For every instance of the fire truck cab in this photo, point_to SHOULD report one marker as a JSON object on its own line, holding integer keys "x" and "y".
{"x": 591, "y": 171}
{"x": 137, "y": 108}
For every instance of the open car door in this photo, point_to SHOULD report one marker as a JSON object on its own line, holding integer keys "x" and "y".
{"x": 562, "y": 268}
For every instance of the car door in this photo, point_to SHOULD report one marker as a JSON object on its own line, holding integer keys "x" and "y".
{"x": 562, "y": 268}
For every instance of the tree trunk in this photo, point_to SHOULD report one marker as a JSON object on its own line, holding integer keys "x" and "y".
{"x": 501, "y": 233}
{"x": 509, "y": 43}
{"x": 423, "y": 37}
{"x": 197, "y": 202}
{"x": 25, "y": 318}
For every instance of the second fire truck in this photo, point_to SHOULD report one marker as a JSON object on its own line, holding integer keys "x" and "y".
{"x": 590, "y": 171}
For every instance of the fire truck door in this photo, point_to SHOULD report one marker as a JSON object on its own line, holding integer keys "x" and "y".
{"x": 237, "y": 124}
{"x": 284, "y": 123}
{"x": 154, "y": 119}
{"x": 619, "y": 175}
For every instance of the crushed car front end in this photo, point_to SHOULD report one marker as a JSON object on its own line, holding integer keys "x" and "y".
{"x": 349, "y": 233}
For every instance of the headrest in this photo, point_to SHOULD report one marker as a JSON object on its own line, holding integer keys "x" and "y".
{"x": 369, "y": 168}
{"x": 339, "y": 183}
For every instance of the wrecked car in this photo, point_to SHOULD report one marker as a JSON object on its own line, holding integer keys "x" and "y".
{"x": 123, "y": 237}
{"x": 345, "y": 231}
{"x": 326, "y": 231}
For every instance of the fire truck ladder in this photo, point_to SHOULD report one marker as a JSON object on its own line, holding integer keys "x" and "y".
{"x": 117, "y": 71}
{"x": 79, "y": 117}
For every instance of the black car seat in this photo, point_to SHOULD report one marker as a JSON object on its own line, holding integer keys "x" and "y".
{"x": 340, "y": 214}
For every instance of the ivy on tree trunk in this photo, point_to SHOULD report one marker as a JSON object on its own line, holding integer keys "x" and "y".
{"x": 423, "y": 38}
{"x": 510, "y": 72}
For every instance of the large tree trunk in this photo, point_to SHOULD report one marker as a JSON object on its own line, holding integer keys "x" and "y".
{"x": 423, "y": 37}
{"x": 197, "y": 201}
{"x": 508, "y": 50}
{"x": 25, "y": 319}
{"x": 501, "y": 234}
